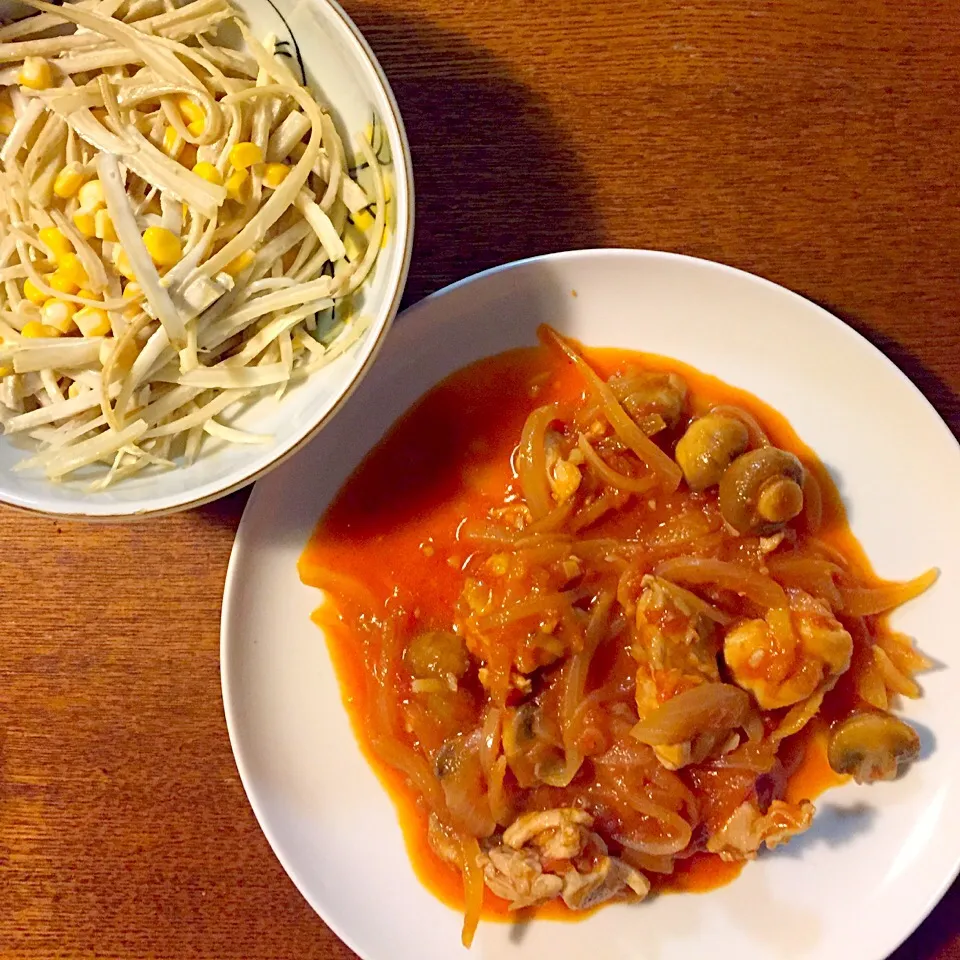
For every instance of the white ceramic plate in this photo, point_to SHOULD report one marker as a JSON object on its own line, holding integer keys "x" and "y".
{"x": 344, "y": 75}
{"x": 876, "y": 859}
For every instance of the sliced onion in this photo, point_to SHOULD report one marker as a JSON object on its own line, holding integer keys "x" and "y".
{"x": 707, "y": 708}
{"x": 729, "y": 576}
{"x": 866, "y": 601}
{"x": 531, "y": 462}
{"x": 648, "y": 452}
{"x": 472, "y": 888}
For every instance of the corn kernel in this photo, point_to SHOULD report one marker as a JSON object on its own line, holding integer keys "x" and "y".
{"x": 71, "y": 267}
{"x": 61, "y": 283}
{"x": 69, "y": 180}
{"x": 35, "y": 329}
{"x": 74, "y": 390}
{"x": 240, "y": 263}
{"x": 192, "y": 112}
{"x": 274, "y": 174}
{"x": 85, "y": 222}
{"x": 196, "y": 127}
{"x": 131, "y": 313}
{"x": 103, "y": 227}
{"x": 353, "y": 245}
{"x": 35, "y": 73}
{"x": 209, "y": 173}
{"x": 131, "y": 290}
{"x": 55, "y": 241}
{"x": 7, "y": 119}
{"x": 34, "y": 294}
{"x": 122, "y": 263}
{"x": 91, "y": 196}
{"x": 244, "y": 155}
{"x": 237, "y": 185}
{"x": 163, "y": 246}
{"x": 59, "y": 314}
{"x": 92, "y": 321}
{"x": 363, "y": 220}
{"x": 88, "y": 295}
{"x": 172, "y": 144}
{"x": 124, "y": 360}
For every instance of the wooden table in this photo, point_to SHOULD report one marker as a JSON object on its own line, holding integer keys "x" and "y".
{"x": 813, "y": 142}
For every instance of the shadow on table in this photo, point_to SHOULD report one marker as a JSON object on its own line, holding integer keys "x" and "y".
{"x": 938, "y": 933}
{"x": 226, "y": 511}
{"x": 941, "y": 396}
{"x": 496, "y": 179}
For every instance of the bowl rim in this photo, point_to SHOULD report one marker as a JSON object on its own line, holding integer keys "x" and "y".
{"x": 130, "y": 513}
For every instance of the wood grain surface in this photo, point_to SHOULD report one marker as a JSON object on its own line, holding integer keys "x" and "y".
{"x": 813, "y": 142}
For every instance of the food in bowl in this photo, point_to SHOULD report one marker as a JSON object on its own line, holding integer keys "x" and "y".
{"x": 603, "y": 628}
{"x": 183, "y": 229}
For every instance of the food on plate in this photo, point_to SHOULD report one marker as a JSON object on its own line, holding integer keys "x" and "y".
{"x": 601, "y": 623}
{"x": 180, "y": 222}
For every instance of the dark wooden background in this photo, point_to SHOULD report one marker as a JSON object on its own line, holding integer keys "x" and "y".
{"x": 814, "y": 142}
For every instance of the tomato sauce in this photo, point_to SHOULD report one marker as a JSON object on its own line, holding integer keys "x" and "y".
{"x": 393, "y": 528}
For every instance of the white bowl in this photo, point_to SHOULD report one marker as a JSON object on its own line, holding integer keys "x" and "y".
{"x": 344, "y": 74}
{"x": 876, "y": 859}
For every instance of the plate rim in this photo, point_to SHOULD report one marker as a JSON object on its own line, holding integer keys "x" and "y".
{"x": 410, "y": 315}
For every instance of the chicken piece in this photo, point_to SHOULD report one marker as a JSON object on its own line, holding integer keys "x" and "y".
{"x": 553, "y": 852}
{"x": 742, "y": 835}
{"x": 788, "y": 655}
{"x": 584, "y": 890}
{"x": 676, "y": 650}
{"x": 517, "y": 876}
{"x": 564, "y": 474}
{"x": 559, "y": 834}
{"x": 675, "y": 633}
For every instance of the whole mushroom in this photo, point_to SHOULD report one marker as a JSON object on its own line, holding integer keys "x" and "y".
{"x": 761, "y": 491}
{"x": 709, "y": 445}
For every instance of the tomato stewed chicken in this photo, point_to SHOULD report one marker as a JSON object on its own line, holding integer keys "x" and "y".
{"x": 595, "y": 618}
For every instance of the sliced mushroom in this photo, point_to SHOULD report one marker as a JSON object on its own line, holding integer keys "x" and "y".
{"x": 872, "y": 746}
{"x": 520, "y": 727}
{"x": 761, "y": 491}
{"x": 709, "y": 445}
